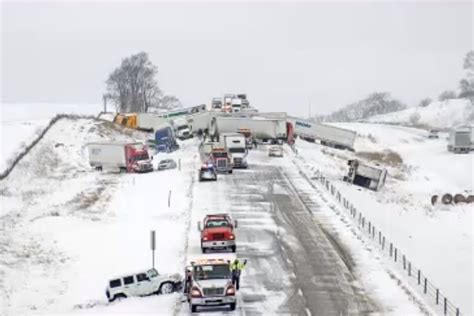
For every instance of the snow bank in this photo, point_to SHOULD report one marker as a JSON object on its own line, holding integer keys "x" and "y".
{"x": 25, "y": 120}
{"x": 66, "y": 229}
{"x": 439, "y": 114}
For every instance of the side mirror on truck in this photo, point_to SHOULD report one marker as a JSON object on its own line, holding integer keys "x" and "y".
{"x": 235, "y": 223}
{"x": 199, "y": 226}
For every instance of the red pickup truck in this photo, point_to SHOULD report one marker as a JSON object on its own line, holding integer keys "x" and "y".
{"x": 217, "y": 232}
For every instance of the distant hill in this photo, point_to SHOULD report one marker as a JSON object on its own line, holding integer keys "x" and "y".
{"x": 438, "y": 114}
{"x": 374, "y": 104}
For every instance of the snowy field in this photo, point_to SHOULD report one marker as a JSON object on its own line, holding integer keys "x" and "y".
{"x": 438, "y": 114}
{"x": 438, "y": 239}
{"x": 25, "y": 120}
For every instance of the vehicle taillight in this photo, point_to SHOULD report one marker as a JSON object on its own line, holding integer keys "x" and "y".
{"x": 204, "y": 238}
{"x": 231, "y": 236}
{"x": 230, "y": 290}
{"x": 196, "y": 292}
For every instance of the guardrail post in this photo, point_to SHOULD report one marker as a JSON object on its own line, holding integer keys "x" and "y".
{"x": 457, "y": 311}
{"x": 419, "y": 276}
{"x": 373, "y": 232}
{"x": 409, "y": 268}
{"x": 363, "y": 222}
{"x": 404, "y": 263}
{"x": 445, "y": 305}
{"x": 391, "y": 249}
{"x": 395, "y": 254}
{"x": 370, "y": 227}
{"x": 383, "y": 243}
{"x": 169, "y": 198}
{"x": 380, "y": 238}
{"x": 425, "y": 286}
{"x": 437, "y": 296}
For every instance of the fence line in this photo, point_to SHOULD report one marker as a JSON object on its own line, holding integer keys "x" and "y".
{"x": 389, "y": 249}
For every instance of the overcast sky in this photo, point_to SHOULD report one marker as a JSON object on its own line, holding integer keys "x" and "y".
{"x": 283, "y": 55}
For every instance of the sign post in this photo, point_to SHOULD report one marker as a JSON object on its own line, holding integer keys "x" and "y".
{"x": 153, "y": 247}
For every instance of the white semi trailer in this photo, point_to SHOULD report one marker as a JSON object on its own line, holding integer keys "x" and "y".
{"x": 460, "y": 140}
{"x": 260, "y": 128}
{"x": 124, "y": 157}
{"x": 327, "y": 134}
{"x": 151, "y": 122}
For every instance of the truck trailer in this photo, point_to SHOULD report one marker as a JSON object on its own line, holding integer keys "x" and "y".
{"x": 151, "y": 122}
{"x": 124, "y": 157}
{"x": 261, "y": 128}
{"x": 365, "y": 175}
{"x": 328, "y": 135}
{"x": 459, "y": 140}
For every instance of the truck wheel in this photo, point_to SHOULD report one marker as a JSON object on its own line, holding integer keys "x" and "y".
{"x": 204, "y": 250}
{"x": 232, "y": 306}
{"x": 230, "y": 171}
{"x": 193, "y": 308}
{"x": 233, "y": 248}
{"x": 166, "y": 288}
{"x": 123, "y": 170}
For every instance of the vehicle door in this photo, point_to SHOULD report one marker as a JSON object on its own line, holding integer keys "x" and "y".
{"x": 144, "y": 285}
{"x": 129, "y": 286}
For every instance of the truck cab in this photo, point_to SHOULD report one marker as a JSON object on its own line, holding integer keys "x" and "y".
{"x": 217, "y": 232}
{"x": 236, "y": 105}
{"x": 221, "y": 159}
{"x": 165, "y": 140}
{"x": 209, "y": 283}
{"x": 182, "y": 129}
{"x": 235, "y": 144}
{"x": 138, "y": 159}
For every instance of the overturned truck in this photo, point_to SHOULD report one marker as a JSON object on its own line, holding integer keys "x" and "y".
{"x": 365, "y": 176}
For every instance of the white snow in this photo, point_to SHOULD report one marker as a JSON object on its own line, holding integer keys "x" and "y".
{"x": 67, "y": 229}
{"x": 438, "y": 114}
{"x": 20, "y": 122}
{"x": 439, "y": 239}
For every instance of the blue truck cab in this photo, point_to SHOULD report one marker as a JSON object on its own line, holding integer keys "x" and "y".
{"x": 165, "y": 140}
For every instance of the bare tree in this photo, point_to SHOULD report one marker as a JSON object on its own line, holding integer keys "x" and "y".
{"x": 170, "y": 102}
{"x": 425, "y": 102}
{"x": 447, "y": 95}
{"x": 466, "y": 84}
{"x": 132, "y": 86}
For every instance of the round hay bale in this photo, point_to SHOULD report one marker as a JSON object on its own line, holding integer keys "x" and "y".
{"x": 470, "y": 199}
{"x": 447, "y": 199}
{"x": 459, "y": 198}
{"x": 434, "y": 199}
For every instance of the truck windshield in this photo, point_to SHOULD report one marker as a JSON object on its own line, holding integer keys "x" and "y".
{"x": 180, "y": 128}
{"x": 207, "y": 272}
{"x": 139, "y": 157}
{"x": 237, "y": 150}
{"x": 219, "y": 154}
{"x": 217, "y": 223}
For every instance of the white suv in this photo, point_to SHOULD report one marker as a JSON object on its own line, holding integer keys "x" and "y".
{"x": 142, "y": 284}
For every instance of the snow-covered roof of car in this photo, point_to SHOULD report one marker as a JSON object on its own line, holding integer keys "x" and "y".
{"x": 207, "y": 261}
